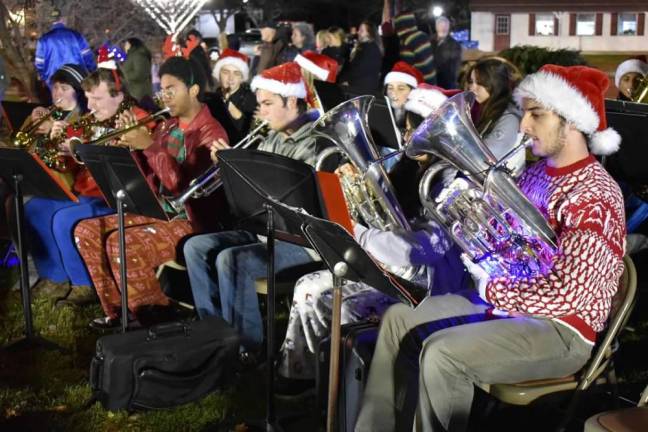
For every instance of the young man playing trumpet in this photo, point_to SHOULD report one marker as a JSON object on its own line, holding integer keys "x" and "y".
{"x": 176, "y": 152}
{"x": 223, "y": 266}
{"x": 50, "y": 223}
{"x": 552, "y": 318}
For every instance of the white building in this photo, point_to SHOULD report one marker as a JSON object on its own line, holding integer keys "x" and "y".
{"x": 585, "y": 25}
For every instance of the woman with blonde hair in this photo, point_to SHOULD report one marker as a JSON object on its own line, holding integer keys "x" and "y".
{"x": 322, "y": 39}
{"x": 337, "y": 47}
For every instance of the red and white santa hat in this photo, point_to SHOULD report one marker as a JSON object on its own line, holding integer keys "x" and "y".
{"x": 405, "y": 73}
{"x": 322, "y": 66}
{"x": 576, "y": 93}
{"x": 427, "y": 98}
{"x": 229, "y": 57}
{"x": 106, "y": 59}
{"x": 630, "y": 65}
{"x": 285, "y": 80}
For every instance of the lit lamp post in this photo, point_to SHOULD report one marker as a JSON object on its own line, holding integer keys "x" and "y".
{"x": 437, "y": 11}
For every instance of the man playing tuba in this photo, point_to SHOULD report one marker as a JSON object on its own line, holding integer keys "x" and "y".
{"x": 552, "y": 319}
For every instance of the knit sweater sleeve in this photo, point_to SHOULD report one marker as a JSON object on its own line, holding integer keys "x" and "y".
{"x": 585, "y": 271}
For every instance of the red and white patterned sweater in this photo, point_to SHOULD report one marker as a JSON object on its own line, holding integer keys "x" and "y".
{"x": 584, "y": 206}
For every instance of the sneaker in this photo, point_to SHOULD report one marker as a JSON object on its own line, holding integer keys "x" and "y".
{"x": 80, "y": 295}
{"x": 45, "y": 288}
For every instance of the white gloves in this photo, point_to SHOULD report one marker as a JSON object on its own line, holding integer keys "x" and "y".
{"x": 479, "y": 275}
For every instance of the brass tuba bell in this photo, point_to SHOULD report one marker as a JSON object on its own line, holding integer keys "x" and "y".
{"x": 370, "y": 196}
{"x": 485, "y": 213}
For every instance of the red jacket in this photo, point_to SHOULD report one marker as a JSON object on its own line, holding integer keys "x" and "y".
{"x": 205, "y": 214}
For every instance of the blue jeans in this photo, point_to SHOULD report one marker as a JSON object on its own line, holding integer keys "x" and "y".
{"x": 222, "y": 270}
{"x": 49, "y": 228}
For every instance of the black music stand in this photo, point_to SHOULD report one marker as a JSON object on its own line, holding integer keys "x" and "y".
{"x": 245, "y": 180}
{"x": 125, "y": 188}
{"x": 27, "y": 174}
{"x": 249, "y": 178}
{"x": 15, "y": 113}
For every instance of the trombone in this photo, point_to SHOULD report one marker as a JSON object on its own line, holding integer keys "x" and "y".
{"x": 209, "y": 181}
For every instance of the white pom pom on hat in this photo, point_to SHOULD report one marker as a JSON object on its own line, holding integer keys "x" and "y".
{"x": 577, "y": 93}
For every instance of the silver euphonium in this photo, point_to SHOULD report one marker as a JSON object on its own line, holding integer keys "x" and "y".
{"x": 370, "y": 195}
{"x": 210, "y": 180}
{"x": 485, "y": 213}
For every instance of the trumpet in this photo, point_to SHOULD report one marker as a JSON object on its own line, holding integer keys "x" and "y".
{"x": 25, "y": 138}
{"x": 209, "y": 181}
{"x": 640, "y": 92}
{"x": 107, "y": 137}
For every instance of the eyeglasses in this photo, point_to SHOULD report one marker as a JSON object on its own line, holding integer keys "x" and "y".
{"x": 166, "y": 93}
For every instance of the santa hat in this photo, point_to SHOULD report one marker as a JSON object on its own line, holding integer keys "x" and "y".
{"x": 630, "y": 65}
{"x": 285, "y": 80}
{"x": 106, "y": 59}
{"x": 426, "y": 98}
{"x": 230, "y": 57}
{"x": 322, "y": 66}
{"x": 405, "y": 73}
{"x": 576, "y": 93}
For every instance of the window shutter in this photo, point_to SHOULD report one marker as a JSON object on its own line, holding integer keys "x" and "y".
{"x": 532, "y": 27}
{"x": 614, "y": 24}
{"x": 556, "y": 26}
{"x": 641, "y": 23}
{"x": 599, "y": 24}
{"x": 572, "y": 24}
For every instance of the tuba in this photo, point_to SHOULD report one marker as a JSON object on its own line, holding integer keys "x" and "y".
{"x": 485, "y": 213}
{"x": 369, "y": 196}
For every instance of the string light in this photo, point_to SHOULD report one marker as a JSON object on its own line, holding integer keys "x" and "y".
{"x": 171, "y": 15}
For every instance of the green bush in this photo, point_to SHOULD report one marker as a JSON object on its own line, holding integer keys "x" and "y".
{"x": 530, "y": 58}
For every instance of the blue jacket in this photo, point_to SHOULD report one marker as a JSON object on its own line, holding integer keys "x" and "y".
{"x": 60, "y": 46}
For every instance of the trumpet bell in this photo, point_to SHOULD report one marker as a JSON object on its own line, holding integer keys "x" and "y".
{"x": 640, "y": 93}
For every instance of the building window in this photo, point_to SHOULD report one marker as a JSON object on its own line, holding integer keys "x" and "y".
{"x": 627, "y": 24}
{"x": 545, "y": 25}
{"x": 586, "y": 24}
{"x": 502, "y": 24}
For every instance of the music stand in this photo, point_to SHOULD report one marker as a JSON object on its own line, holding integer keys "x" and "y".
{"x": 27, "y": 174}
{"x": 124, "y": 187}
{"x": 241, "y": 172}
{"x": 15, "y": 113}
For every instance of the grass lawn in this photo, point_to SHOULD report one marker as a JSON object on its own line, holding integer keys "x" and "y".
{"x": 48, "y": 390}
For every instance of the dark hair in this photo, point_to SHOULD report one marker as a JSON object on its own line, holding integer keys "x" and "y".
{"x": 371, "y": 29}
{"x": 108, "y": 76}
{"x": 137, "y": 43}
{"x": 499, "y": 77}
{"x": 186, "y": 70}
{"x": 194, "y": 32}
{"x": 233, "y": 42}
{"x": 302, "y": 106}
